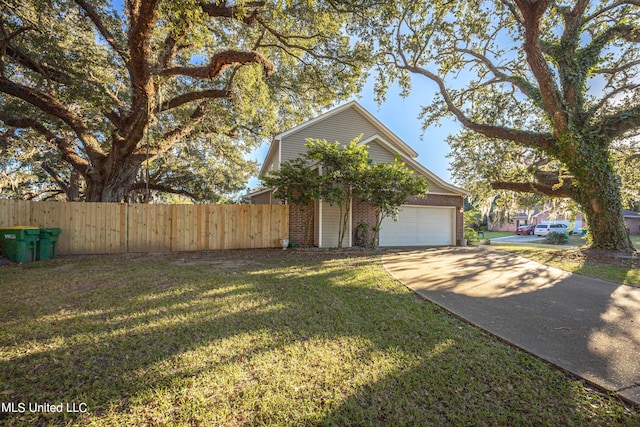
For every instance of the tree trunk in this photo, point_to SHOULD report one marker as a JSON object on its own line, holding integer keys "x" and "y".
{"x": 607, "y": 229}
{"x": 599, "y": 197}
{"x": 112, "y": 183}
{"x": 309, "y": 223}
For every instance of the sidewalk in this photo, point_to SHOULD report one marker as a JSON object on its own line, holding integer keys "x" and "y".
{"x": 586, "y": 326}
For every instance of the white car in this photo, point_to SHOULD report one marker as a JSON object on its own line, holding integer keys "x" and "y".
{"x": 544, "y": 229}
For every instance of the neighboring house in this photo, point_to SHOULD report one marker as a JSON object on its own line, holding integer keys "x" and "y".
{"x": 536, "y": 217}
{"x": 632, "y": 219}
{"x": 434, "y": 220}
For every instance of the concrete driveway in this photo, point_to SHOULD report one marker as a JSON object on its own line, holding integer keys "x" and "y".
{"x": 587, "y": 326}
{"x": 518, "y": 239}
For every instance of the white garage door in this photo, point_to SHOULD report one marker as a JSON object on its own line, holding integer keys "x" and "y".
{"x": 419, "y": 226}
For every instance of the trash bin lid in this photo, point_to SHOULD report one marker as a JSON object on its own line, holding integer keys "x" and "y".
{"x": 20, "y": 232}
{"x": 52, "y": 231}
{"x": 25, "y": 229}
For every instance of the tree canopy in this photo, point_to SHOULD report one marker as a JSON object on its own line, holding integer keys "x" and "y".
{"x": 94, "y": 92}
{"x": 545, "y": 90}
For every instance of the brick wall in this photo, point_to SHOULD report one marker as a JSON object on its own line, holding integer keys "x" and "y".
{"x": 299, "y": 217}
{"x": 361, "y": 211}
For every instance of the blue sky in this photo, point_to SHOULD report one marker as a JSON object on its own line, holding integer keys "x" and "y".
{"x": 400, "y": 115}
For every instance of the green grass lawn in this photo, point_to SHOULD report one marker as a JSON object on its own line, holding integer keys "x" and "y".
{"x": 574, "y": 239}
{"x": 496, "y": 234}
{"x": 627, "y": 273}
{"x": 265, "y": 337}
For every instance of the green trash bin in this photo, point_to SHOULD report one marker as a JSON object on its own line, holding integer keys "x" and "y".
{"x": 47, "y": 243}
{"x": 19, "y": 243}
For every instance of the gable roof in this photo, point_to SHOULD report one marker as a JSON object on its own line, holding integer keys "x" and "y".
{"x": 531, "y": 214}
{"x": 366, "y": 114}
{"x": 385, "y": 136}
{"x": 415, "y": 165}
{"x": 630, "y": 214}
{"x": 399, "y": 144}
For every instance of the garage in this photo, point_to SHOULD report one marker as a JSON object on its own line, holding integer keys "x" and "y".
{"x": 420, "y": 226}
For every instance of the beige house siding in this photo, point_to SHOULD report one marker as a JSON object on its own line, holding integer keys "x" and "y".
{"x": 316, "y": 224}
{"x": 263, "y": 199}
{"x": 274, "y": 165}
{"x": 343, "y": 127}
{"x": 379, "y": 154}
{"x": 633, "y": 224}
{"x": 433, "y": 187}
{"x": 330, "y": 224}
{"x": 436, "y": 189}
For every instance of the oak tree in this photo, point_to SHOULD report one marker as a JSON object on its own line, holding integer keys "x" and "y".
{"x": 110, "y": 89}
{"x": 557, "y": 79}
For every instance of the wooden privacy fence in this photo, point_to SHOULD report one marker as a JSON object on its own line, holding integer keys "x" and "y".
{"x": 98, "y": 228}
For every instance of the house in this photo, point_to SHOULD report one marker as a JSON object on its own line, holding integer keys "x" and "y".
{"x": 434, "y": 220}
{"x": 632, "y": 219}
{"x": 535, "y": 217}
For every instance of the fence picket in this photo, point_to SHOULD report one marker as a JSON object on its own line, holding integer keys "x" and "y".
{"x": 91, "y": 228}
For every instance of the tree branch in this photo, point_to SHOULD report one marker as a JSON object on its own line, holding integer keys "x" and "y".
{"x": 616, "y": 125}
{"x": 526, "y": 87}
{"x": 609, "y": 96}
{"x": 221, "y": 61}
{"x": 610, "y": 7}
{"x": 169, "y": 139}
{"x": 55, "y": 176}
{"x": 53, "y": 107}
{"x": 217, "y": 10}
{"x": 617, "y": 69}
{"x": 563, "y": 191}
{"x": 162, "y": 188}
{"x": 93, "y": 15}
{"x": 170, "y": 51}
{"x": 530, "y": 139}
{"x": 142, "y": 16}
{"x": 632, "y": 158}
{"x": 33, "y": 195}
{"x": 45, "y": 71}
{"x": 193, "y": 96}
{"x": 532, "y": 13}
{"x": 67, "y": 149}
{"x": 517, "y": 15}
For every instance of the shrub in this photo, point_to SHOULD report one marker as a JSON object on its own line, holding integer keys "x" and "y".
{"x": 557, "y": 238}
{"x": 471, "y": 235}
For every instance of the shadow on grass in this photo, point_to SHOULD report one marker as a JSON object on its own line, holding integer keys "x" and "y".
{"x": 122, "y": 335}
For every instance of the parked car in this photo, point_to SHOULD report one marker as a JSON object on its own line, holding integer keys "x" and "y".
{"x": 544, "y": 229}
{"x": 526, "y": 230}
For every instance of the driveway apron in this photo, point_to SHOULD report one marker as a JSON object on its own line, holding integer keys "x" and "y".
{"x": 586, "y": 326}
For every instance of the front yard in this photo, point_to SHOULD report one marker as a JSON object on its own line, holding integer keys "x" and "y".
{"x": 265, "y": 337}
{"x": 624, "y": 270}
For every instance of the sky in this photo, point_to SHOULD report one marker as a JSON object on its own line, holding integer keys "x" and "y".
{"x": 400, "y": 115}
